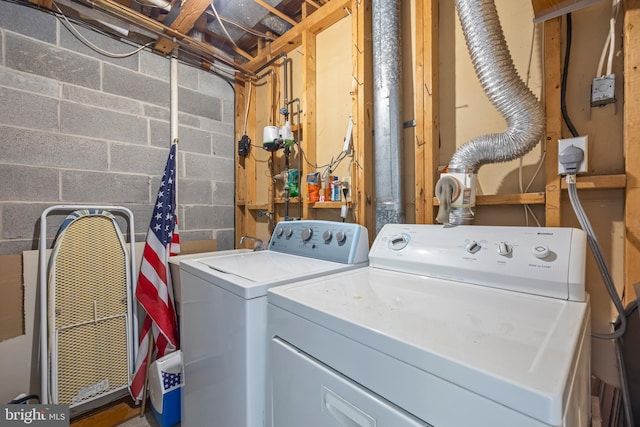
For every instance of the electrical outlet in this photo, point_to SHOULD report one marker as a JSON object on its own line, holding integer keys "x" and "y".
{"x": 244, "y": 146}
{"x": 580, "y": 142}
{"x": 346, "y": 186}
{"x": 603, "y": 90}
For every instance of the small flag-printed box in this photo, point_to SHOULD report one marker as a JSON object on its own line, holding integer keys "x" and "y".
{"x": 166, "y": 378}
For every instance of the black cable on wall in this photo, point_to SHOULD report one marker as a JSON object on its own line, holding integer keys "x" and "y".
{"x": 565, "y": 72}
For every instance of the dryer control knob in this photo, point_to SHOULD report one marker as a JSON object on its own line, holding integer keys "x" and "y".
{"x": 289, "y": 232}
{"x": 504, "y": 249}
{"x": 473, "y": 247}
{"x": 326, "y": 236}
{"x": 341, "y": 236}
{"x": 540, "y": 251}
{"x": 307, "y": 232}
{"x": 398, "y": 242}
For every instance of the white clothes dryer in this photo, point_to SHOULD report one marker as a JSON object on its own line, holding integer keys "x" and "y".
{"x": 447, "y": 327}
{"x": 223, "y": 319}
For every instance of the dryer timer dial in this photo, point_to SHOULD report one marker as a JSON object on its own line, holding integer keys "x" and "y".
{"x": 399, "y": 242}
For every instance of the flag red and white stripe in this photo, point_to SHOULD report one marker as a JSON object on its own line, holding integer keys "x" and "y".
{"x": 154, "y": 291}
{"x": 175, "y": 240}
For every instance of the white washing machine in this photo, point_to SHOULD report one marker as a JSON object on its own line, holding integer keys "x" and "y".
{"x": 223, "y": 309}
{"x": 446, "y": 327}
{"x": 174, "y": 270}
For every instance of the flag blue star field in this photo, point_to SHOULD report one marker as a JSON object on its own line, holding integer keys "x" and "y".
{"x": 154, "y": 291}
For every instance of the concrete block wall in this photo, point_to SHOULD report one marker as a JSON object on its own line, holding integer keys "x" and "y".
{"x": 78, "y": 127}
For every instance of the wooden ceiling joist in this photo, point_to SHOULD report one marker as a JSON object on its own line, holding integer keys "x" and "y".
{"x": 276, "y": 12}
{"x": 195, "y": 46}
{"x": 313, "y": 3}
{"x": 322, "y": 18}
{"x": 190, "y": 11}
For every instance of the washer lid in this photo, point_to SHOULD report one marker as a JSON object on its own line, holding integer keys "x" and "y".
{"x": 516, "y": 349}
{"x": 250, "y": 274}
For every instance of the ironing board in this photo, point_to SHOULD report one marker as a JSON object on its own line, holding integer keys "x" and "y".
{"x": 88, "y": 333}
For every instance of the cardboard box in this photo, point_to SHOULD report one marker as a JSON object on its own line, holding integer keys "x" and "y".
{"x": 197, "y": 246}
{"x": 11, "y": 297}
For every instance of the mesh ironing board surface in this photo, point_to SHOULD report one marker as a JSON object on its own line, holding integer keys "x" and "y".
{"x": 87, "y": 309}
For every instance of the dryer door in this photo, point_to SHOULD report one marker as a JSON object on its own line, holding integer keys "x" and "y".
{"x": 305, "y": 392}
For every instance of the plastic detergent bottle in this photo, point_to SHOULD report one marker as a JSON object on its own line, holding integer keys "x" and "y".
{"x": 336, "y": 193}
{"x": 326, "y": 188}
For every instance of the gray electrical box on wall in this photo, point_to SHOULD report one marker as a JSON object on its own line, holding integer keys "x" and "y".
{"x": 603, "y": 90}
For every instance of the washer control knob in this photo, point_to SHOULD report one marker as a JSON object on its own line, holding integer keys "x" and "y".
{"x": 327, "y": 235}
{"x": 279, "y": 232}
{"x": 288, "y": 232}
{"x": 540, "y": 251}
{"x": 341, "y": 236}
{"x": 473, "y": 247}
{"x": 504, "y": 249}
{"x": 398, "y": 242}
{"x": 307, "y": 232}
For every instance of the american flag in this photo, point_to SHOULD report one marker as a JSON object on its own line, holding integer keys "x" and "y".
{"x": 154, "y": 291}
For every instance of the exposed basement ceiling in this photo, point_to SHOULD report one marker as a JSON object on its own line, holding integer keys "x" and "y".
{"x": 231, "y": 32}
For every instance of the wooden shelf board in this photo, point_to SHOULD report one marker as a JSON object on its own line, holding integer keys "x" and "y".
{"x": 598, "y": 182}
{"x": 506, "y": 199}
{"x": 257, "y": 207}
{"x": 326, "y": 205}
{"x": 280, "y": 200}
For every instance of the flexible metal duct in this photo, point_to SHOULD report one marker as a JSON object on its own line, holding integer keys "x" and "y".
{"x": 248, "y": 13}
{"x": 506, "y": 91}
{"x": 387, "y": 77}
